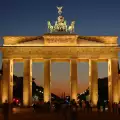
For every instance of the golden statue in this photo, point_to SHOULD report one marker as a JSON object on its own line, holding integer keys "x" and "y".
{"x": 60, "y": 10}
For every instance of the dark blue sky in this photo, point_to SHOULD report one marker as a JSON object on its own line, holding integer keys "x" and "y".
{"x": 29, "y": 18}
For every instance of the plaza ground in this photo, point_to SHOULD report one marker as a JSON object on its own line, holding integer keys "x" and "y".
{"x": 28, "y": 114}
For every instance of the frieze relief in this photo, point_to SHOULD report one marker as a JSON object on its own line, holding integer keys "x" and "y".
{"x": 61, "y": 52}
{"x": 60, "y": 40}
{"x": 57, "y": 41}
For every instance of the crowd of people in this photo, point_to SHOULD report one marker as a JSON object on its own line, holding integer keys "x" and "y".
{"x": 67, "y": 109}
{"x": 73, "y": 108}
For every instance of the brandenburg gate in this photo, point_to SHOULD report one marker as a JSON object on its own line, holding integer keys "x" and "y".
{"x": 61, "y": 44}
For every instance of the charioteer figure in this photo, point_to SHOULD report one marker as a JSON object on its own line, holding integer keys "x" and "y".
{"x": 61, "y": 24}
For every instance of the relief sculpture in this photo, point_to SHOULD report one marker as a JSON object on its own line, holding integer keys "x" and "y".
{"x": 61, "y": 52}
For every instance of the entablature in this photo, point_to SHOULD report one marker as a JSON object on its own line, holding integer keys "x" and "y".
{"x": 59, "y": 52}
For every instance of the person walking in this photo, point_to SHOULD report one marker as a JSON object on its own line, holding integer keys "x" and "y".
{"x": 83, "y": 106}
{"x": 98, "y": 106}
{"x": 74, "y": 111}
{"x": 119, "y": 107}
{"x": 87, "y": 106}
{"x": 109, "y": 107}
{"x": 34, "y": 107}
{"x": 113, "y": 107}
{"x": 91, "y": 105}
{"x": 80, "y": 104}
{"x": 6, "y": 110}
{"x": 104, "y": 105}
{"x": 64, "y": 110}
{"x": 116, "y": 107}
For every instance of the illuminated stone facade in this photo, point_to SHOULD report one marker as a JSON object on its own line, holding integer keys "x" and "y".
{"x": 68, "y": 47}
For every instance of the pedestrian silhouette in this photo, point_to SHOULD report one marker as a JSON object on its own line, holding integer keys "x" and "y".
{"x": 34, "y": 107}
{"x": 87, "y": 106}
{"x": 91, "y": 105}
{"x": 98, "y": 106}
{"x": 6, "y": 110}
{"x": 80, "y": 104}
{"x": 74, "y": 111}
{"x": 114, "y": 107}
{"x": 119, "y": 107}
{"x": 109, "y": 107}
{"x": 103, "y": 104}
{"x": 83, "y": 106}
{"x": 64, "y": 110}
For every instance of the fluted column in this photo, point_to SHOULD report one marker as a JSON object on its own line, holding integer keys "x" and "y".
{"x": 73, "y": 82}
{"x": 119, "y": 86}
{"x": 0, "y": 88}
{"x": 27, "y": 83}
{"x": 113, "y": 80}
{"x": 7, "y": 80}
{"x": 47, "y": 72}
{"x": 93, "y": 81}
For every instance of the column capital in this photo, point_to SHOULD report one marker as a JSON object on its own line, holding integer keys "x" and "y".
{"x": 91, "y": 59}
{"x": 5, "y": 59}
{"x": 113, "y": 59}
{"x": 27, "y": 59}
{"x": 47, "y": 59}
{"x": 73, "y": 60}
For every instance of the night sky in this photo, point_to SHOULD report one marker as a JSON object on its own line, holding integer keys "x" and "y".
{"x": 29, "y": 18}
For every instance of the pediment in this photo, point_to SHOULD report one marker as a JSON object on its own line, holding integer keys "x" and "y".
{"x": 59, "y": 40}
{"x": 84, "y": 42}
{"x": 80, "y": 42}
{"x": 23, "y": 40}
{"x": 32, "y": 42}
